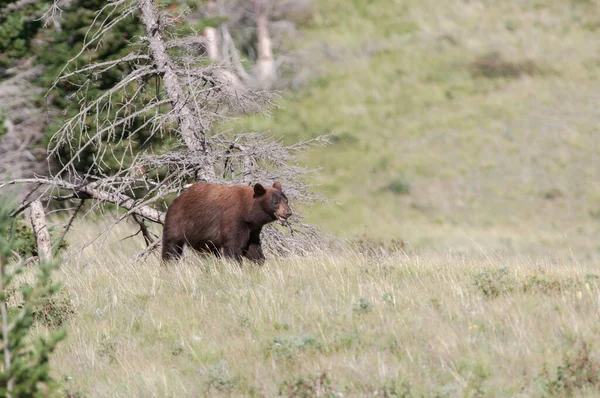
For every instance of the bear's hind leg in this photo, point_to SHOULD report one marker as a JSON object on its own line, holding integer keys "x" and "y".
{"x": 171, "y": 249}
{"x": 233, "y": 252}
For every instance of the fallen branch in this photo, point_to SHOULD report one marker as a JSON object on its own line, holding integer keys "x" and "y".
{"x": 147, "y": 251}
{"x": 118, "y": 199}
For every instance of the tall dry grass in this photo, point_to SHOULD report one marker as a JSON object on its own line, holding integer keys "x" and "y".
{"x": 345, "y": 323}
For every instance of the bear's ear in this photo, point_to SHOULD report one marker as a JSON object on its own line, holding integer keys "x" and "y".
{"x": 259, "y": 190}
{"x": 277, "y": 185}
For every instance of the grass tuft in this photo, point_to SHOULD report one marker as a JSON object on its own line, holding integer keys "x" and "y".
{"x": 493, "y": 65}
{"x": 398, "y": 187}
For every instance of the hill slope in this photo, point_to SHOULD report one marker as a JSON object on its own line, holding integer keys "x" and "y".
{"x": 456, "y": 123}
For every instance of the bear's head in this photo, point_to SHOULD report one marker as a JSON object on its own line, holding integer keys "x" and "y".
{"x": 273, "y": 202}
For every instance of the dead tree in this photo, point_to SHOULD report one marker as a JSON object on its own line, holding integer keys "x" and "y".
{"x": 251, "y": 24}
{"x": 211, "y": 36}
{"x": 38, "y": 223}
{"x": 265, "y": 65}
{"x": 191, "y": 98}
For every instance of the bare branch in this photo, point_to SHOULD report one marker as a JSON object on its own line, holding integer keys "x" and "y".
{"x": 147, "y": 251}
{"x": 144, "y": 230}
{"x": 104, "y": 66}
{"x": 67, "y": 227}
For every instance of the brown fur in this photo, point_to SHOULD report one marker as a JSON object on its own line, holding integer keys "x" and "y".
{"x": 223, "y": 220}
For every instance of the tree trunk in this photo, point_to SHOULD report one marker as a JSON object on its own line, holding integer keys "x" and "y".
{"x": 265, "y": 65}
{"x": 38, "y": 222}
{"x": 229, "y": 48}
{"x": 212, "y": 43}
{"x": 211, "y": 34}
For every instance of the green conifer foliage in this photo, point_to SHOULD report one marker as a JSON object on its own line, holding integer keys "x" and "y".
{"x": 79, "y": 22}
{"x": 17, "y": 29}
{"x": 24, "y": 360}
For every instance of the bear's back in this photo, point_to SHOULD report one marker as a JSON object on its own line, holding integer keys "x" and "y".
{"x": 203, "y": 212}
{"x": 205, "y": 203}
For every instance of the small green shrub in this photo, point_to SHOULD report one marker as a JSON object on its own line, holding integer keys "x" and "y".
{"x": 244, "y": 321}
{"x": 548, "y": 284}
{"x": 281, "y": 326}
{"x": 539, "y": 284}
{"x": 494, "y": 282}
{"x": 388, "y": 298}
{"x": 308, "y": 387}
{"x": 553, "y": 193}
{"x": 369, "y": 246}
{"x": 578, "y": 371}
{"x": 54, "y": 311}
{"x": 398, "y": 187}
{"x": 25, "y": 244}
{"x": 363, "y": 306}
{"x": 287, "y": 347}
{"x": 395, "y": 389}
{"x": 220, "y": 380}
{"x": 177, "y": 348}
{"x": 344, "y": 341}
{"x": 107, "y": 348}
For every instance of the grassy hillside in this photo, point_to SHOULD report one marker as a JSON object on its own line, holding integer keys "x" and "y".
{"x": 456, "y": 122}
{"x": 336, "y": 325}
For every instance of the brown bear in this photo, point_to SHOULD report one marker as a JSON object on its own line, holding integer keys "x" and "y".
{"x": 223, "y": 220}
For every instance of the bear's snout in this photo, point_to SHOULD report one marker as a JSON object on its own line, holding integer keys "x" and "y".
{"x": 283, "y": 213}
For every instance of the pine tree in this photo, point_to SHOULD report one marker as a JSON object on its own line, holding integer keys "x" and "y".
{"x": 24, "y": 361}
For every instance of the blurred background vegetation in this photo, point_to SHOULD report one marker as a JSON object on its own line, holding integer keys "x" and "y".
{"x": 459, "y": 123}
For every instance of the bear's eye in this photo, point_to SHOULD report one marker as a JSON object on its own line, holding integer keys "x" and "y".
{"x": 275, "y": 199}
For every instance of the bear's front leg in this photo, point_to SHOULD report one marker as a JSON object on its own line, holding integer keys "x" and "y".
{"x": 254, "y": 252}
{"x": 235, "y": 242}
